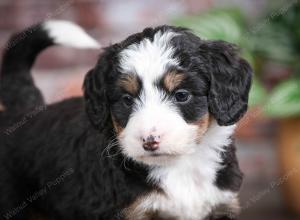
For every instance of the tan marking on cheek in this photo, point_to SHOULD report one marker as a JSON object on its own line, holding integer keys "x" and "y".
{"x": 36, "y": 216}
{"x": 2, "y": 107}
{"x": 232, "y": 209}
{"x": 202, "y": 124}
{"x": 172, "y": 80}
{"x": 211, "y": 119}
{"x": 117, "y": 127}
{"x": 130, "y": 83}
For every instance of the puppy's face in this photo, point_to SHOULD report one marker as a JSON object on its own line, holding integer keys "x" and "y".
{"x": 161, "y": 111}
{"x": 161, "y": 91}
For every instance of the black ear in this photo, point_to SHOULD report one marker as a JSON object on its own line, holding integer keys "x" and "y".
{"x": 230, "y": 81}
{"x": 95, "y": 99}
{"x": 95, "y": 96}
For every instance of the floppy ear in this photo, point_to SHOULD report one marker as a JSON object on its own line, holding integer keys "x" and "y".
{"x": 230, "y": 82}
{"x": 95, "y": 99}
{"x": 94, "y": 88}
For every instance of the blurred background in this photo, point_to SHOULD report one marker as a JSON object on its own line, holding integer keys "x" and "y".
{"x": 268, "y": 31}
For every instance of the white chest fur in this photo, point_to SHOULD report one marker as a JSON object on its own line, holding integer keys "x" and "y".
{"x": 190, "y": 192}
{"x": 188, "y": 184}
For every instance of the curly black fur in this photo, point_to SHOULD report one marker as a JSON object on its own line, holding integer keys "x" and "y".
{"x": 73, "y": 135}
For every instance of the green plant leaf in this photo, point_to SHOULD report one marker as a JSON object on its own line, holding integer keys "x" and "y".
{"x": 257, "y": 94}
{"x": 284, "y": 101}
{"x": 215, "y": 25}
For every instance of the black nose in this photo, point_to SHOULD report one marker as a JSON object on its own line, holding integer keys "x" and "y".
{"x": 151, "y": 143}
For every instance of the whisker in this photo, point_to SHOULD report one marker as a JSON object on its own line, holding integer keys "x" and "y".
{"x": 124, "y": 163}
{"x": 113, "y": 155}
{"x": 113, "y": 142}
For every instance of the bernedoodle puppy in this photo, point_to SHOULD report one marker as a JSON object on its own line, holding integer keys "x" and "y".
{"x": 150, "y": 139}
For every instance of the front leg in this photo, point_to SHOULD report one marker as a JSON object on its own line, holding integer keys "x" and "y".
{"x": 225, "y": 218}
{"x": 228, "y": 211}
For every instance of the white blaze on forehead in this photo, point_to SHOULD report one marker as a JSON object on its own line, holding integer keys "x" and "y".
{"x": 149, "y": 58}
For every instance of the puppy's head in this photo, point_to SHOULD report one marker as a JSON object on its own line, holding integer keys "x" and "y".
{"x": 162, "y": 87}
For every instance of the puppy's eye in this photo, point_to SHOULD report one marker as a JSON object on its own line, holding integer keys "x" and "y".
{"x": 127, "y": 100}
{"x": 182, "y": 96}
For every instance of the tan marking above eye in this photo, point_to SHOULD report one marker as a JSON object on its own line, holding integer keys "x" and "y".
{"x": 172, "y": 80}
{"x": 129, "y": 82}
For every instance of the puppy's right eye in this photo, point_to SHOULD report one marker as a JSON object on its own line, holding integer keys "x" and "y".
{"x": 127, "y": 100}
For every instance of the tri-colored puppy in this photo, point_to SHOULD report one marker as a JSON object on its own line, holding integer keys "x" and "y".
{"x": 150, "y": 139}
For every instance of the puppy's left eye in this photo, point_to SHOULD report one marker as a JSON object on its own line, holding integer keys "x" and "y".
{"x": 182, "y": 96}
